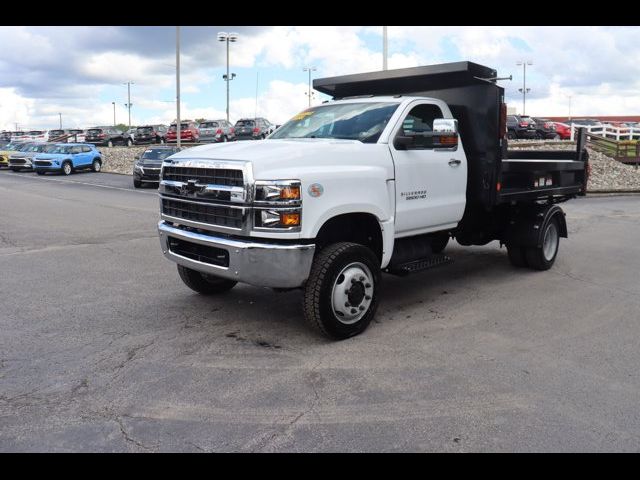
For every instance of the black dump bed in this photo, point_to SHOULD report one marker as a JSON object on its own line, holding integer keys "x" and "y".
{"x": 496, "y": 175}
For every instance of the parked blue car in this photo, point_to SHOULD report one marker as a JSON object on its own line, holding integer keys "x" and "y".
{"x": 67, "y": 157}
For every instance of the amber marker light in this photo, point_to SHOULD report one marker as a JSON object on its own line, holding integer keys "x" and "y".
{"x": 290, "y": 219}
{"x": 290, "y": 193}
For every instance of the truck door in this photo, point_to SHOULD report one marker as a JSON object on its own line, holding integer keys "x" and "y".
{"x": 430, "y": 182}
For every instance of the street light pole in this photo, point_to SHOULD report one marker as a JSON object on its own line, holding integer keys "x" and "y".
{"x": 128, "y": 105}
{"x": 114, "y": 113}
{"x": 227, "y": 37}
{"x": 524, "y": 88}
{"x": 385, "y": 50}
{"x": 309, "y": 69}
{"x": 60, "y": 120}
{"x": 178, "y": 86}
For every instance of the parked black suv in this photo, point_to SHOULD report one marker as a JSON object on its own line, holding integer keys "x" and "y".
{"x": 150, "y": 134}
{"x": 146, "y": 169}
{"x": 546, "y": 128}
{"x": 252, "y": 128}
{"x": 519, "y": 127}
{"x": 107, "y": 136}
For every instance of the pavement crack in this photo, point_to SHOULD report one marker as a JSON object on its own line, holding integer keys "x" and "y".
{"x": 128, "y": 437}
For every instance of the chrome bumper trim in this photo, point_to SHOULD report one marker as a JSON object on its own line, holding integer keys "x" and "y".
{"x": 256, "y": 263}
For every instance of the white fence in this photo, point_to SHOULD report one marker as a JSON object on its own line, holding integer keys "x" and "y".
{"x": 609, "y": 131}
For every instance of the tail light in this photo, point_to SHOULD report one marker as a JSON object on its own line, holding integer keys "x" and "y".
{"x": 256, "y": 130}
{"x": 219, "y": 132}
{"x": 102, "y": 135}
{"x": 523, "y": 124}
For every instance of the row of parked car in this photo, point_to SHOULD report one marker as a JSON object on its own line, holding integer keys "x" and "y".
{"x": 524, "y": 126}
{"x": 65, "y": 158}
{"x": 43, "y": 157}
{"x": 190, "y": 131}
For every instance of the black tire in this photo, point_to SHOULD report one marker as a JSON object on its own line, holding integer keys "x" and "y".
{"x": 517, "y": 256}
{"x": 541, "y": 258}
{"x": 110, "y": 144}
{"x": 439, "y": 242}
{"x": 204, "y": 284}
{"x": 511, "y": 135}
{"x": 96, "y": 166}
{"x": 64, "y": 170}
{"x": 137, "y": 183}
{"x": 39, "y": 172}
{"x": 324, "y": 279}
{"x": 129, "y": 142}
{"x": 15, "y": 169}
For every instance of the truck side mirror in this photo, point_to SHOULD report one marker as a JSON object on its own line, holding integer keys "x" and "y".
{"x": 403, "y": 142}
{"x": 445, "y": 133}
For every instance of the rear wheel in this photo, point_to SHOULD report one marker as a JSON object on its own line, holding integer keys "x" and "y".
{"x": 129, "y": 142}
{"x": 67, "y": 168}
{"x": 341, "y": 293}
{"x": 511, "y": 135}
{"x": 544, "y": 256}
{"x": 203, "y": 283}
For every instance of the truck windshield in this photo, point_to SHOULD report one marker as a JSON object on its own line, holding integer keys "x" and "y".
{"x": 352, "y": 121}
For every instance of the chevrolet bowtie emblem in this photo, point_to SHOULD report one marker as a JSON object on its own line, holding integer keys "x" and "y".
{"x": 191, "y": 186}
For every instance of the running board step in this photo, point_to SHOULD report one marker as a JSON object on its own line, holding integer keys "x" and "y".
{"x": 419, "y": 265}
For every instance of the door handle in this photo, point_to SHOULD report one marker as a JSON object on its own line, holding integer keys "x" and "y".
{"x": 454, "y": 162}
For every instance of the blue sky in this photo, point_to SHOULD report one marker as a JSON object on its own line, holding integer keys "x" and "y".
{"x": 79, "y": 71}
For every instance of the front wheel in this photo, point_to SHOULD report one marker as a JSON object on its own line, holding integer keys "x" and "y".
{"x": 341, "y": 293}
{"x": 39, "y": 172}
{"x": 203, "y": 283}
{"x": 137, "y": 183}
{"x": 543, "y": 257}
{"x": 96, "y": 166}
{"x": 15, "y": 169}
{"x": 67, "y": 168}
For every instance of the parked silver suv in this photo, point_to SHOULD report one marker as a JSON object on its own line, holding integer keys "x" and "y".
{"x": 216, "y": 131}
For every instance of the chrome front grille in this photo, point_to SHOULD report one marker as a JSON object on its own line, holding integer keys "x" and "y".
{"x": 214, "y": 176}
{"x": 203, "y": 213}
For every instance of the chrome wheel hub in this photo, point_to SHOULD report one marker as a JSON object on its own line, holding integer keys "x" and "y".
{"x": 550, "y": 244}
{"x": 352, "y": 293}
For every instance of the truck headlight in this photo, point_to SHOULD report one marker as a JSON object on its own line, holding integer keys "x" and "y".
{"x": 278, "y": 191}
{"x": 278, "y": 219}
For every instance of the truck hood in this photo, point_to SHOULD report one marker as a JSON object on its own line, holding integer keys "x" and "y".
{"x": 293, "y": 158}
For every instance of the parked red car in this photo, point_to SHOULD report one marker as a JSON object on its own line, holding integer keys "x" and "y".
{"x": 189, "y": 132}
{"x": 563, "y": 130}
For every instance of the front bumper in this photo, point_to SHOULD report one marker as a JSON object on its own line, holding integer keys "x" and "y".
{"x": 262, "y": 264}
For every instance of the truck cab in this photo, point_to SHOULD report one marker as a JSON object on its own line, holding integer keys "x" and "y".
{"x": 377, "y": 180}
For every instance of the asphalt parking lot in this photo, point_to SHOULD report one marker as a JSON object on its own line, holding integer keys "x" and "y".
{"x": 102, "y": 348}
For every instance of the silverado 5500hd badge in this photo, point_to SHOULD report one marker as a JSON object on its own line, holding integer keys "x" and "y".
{"x": 414, "y": 195}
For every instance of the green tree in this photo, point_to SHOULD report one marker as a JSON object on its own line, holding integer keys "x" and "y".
{"x": 200, "y": 120}
{"x": 123, "y": 127}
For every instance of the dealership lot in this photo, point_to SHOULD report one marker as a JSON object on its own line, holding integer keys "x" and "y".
{"x": 104, "y": 348}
